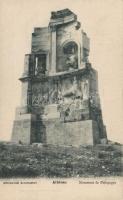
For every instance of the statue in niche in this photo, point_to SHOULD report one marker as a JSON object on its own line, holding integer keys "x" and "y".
{"x": 85, "y": 89}
{"x": 40, "y": 64}
{"x": 71, "y": 54}
{"x": 71, "y": 62}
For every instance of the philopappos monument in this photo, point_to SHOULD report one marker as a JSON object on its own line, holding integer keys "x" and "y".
{"x": 60, "y": 102}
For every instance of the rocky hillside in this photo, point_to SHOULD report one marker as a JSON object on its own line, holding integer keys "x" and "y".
{"x": 52, "y": 161}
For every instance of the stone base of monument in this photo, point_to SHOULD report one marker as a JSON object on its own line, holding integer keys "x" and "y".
{"x": 71, "y": 133}
{"x": 23, "y": 129}
{"x": 27, "y": 129}
{"x": 51, "y": 112}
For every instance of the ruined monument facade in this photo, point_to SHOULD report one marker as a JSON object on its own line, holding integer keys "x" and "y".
{"x": 60, "y": 102}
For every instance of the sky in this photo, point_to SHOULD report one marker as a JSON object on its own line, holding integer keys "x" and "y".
{"x": 102, "y": 20}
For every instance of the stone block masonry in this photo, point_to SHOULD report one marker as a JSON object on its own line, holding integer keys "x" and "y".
{"x": 60, "y": 103}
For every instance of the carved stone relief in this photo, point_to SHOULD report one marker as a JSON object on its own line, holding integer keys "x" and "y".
{"x": 40, "y": 64}
{"x": 39, "y": 94}
{"x": 71, "y": 58}
{"x": 71, "y": 94}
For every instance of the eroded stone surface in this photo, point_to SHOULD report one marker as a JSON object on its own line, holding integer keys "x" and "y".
{"x": 60, "y": 101}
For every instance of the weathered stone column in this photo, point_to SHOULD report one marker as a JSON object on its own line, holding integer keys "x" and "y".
{"x": 47, "y": 63}
{"x": 53, "y": 50}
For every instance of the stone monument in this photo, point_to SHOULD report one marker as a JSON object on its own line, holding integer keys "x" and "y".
{"x": 60, "y": 102}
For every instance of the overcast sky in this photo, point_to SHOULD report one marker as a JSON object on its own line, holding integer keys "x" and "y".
{"x": 102, "y": 20}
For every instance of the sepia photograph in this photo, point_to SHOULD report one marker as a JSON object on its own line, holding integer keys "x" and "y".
{"x": 61, "y": 90}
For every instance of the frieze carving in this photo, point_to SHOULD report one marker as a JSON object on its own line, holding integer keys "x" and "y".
{"x": 60, "y": 92}
{"x": 73, "y": 111}
{"x": 39, "y": 94}
{"x": 74, "y": 91}
{"x": 39, "y": 100}
{"x": 53, "y": 94}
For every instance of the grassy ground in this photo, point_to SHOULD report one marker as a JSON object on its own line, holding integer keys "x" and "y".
{"x": 52, "y": 161}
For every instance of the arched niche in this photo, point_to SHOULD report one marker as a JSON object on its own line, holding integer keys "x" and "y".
{"x": 68, "y": 56}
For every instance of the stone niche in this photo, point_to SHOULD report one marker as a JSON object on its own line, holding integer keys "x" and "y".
{"x": 60, "y": 103}
{"x": 67, "y": 57}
